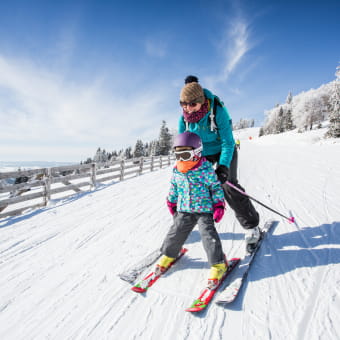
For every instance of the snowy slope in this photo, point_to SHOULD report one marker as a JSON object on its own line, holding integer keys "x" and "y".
{"x": 59, "y": 266}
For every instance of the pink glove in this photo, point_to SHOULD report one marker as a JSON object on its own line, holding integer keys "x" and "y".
{"x": 218, "y": 211}
{"x": 172, "y": 207}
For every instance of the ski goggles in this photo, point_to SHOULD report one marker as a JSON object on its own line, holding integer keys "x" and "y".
{"x": 187, "y": 155}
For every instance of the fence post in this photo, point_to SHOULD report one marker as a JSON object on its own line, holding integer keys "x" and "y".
{"x": 122, "y": 167}
{"x": 141, "y": 161}
{"x": 151, "y": 166}
{"x": 47, "y": 185}
{"x": 160, "y": 162}
{"x": 94, "y": 175}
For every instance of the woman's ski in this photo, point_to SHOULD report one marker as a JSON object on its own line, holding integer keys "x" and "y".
{"x": 230, "y": 293}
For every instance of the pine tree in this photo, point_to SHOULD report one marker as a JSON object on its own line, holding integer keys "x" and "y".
{"x": 289, "y": 98}
{"x": 165, "y": 138}
{"x": 279, "y": 123}
{"x": 155, "y": 148}
{"x": 128, "y": 153}
{"x": 288, "y": 121}
{"x": 139, "y": 149}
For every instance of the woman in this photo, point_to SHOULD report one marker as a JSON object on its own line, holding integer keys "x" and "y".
{"x": 205, "y": 115}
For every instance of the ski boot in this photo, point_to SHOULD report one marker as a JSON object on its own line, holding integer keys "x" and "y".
{"x": 252, "y": 237}
{"x": 216, "y": 274}
{"x": 163, "y": 265}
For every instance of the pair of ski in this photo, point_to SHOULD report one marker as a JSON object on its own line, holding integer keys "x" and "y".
{"x": 226, "y": 296}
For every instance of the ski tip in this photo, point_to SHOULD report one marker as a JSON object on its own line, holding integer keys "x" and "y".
{"x": 235, "y": 259}
{"x": 138, "y": 289}
{"x": 194, "y": 309}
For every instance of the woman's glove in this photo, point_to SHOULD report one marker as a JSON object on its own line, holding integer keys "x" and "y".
{"x": 172, "y": 207}
{"x": 218, "y": 211}
{"x": 222, "y": 173}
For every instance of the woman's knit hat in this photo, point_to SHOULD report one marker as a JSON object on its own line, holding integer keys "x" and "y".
{"x": 192, "y": 91}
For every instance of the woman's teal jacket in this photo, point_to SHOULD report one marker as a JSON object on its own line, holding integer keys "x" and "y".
{"x": 218, "y": 140}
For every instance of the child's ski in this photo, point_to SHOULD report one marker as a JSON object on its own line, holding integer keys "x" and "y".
{"x": 230, "y": 293}
{"x": 150, "y": 279}
{"x": 207, "y": 294}
{"x": 131, "y": 274}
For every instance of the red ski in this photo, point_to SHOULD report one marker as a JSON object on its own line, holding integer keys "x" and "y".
{"x": 207, "y": 294}
{"x": 150, "y": 279}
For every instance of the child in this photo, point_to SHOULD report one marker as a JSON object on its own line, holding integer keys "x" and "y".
{"x": 195, "y": 197}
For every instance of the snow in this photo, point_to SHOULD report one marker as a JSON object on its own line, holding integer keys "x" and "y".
{"x": 59, "y": 265}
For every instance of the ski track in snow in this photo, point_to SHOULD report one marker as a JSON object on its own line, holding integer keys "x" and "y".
{"x": 59, "y": 265}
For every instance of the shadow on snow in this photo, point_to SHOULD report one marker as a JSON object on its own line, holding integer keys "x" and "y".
{"x": 316, "y": 246}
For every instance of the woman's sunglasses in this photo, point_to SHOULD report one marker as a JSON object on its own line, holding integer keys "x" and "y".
{"x": 191, "y": 104}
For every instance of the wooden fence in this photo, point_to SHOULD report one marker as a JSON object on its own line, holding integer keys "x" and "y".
{"x": 40, "y": 186}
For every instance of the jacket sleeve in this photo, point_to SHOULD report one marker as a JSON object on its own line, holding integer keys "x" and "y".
{"x": 217, "y": 193}
{"x": 225, "y": 132}
{"x": 173, "y": 193}
{"x": 181, "y": 125}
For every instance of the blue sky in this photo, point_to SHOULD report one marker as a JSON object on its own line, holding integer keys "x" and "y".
{"x": 77, "y": 75}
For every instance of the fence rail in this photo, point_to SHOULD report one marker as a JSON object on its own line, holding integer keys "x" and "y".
{"x": 40, "y": 186}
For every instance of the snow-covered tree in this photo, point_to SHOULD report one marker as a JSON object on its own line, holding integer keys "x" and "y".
{"x": 155, "y": 148}
{"x": 288, "y": 121}
{"x": 100, "y": 156}
{"x": 303, "y": 111}
{"x": 128, "y": 153}
{"x": 165, "y": 139}
{"x": 279, "y": 123}
{"x": 139, "y": 149}
{"x": 289, "y": 98}
{"x": 243, "y": 124}
{"x": 334, "y": 115}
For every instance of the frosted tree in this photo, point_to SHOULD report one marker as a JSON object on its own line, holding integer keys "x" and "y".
{"x": 128, "y": 153}
{"x": 279, "y": 122}
{"x": 334, "y": 101}
{"x": 155, "y": 148}
{"x": 289, "y": 98}
{"x": 139, "y": 149}
{"x": 165, "y": 139}
{"x": 288, "y": 120}
{"x": 147, "y": 150}
{"x": 100, "y": 156}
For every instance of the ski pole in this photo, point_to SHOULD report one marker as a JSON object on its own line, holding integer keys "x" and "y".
{"x": 290, "y": 219}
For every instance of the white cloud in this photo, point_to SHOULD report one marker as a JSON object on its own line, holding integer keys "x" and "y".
{"x": 40, "y": 108}
{"x": 238, "y": 38}
{"x": 233, "y": 47}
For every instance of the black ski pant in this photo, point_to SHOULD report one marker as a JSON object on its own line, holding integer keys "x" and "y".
{"x": 241, "y": 204}
{"x": 183, "y": 225}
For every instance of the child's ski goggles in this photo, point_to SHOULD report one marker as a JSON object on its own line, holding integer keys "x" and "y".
{"x": 187, "y": 155}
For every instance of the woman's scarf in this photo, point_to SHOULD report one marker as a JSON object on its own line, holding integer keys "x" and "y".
{"x": 194, "y": 117}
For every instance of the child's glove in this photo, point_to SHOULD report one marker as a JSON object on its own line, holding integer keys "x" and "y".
{"x": 218, "y": 211}
{"x": 172, "y": 207}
